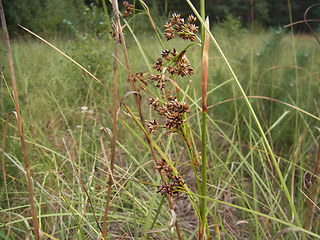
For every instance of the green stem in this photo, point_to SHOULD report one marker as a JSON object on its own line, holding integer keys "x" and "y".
{"x": 203, "y": 205}
{"x": 203, "y": 201}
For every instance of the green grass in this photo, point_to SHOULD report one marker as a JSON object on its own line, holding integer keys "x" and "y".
{"x": 245, "y": 196}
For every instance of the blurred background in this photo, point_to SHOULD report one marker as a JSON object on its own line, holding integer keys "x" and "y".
{"x": 71, "y": 17}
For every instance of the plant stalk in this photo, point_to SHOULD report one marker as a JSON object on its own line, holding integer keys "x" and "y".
{"x": 204, "y": 77}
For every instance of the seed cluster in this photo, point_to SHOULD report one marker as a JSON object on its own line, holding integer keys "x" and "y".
{"x": 129, "y": 9}
{"x": 177, "y": 63}
{"x": 177, "y": 25}
{"x": 173, "y": 111}
{"x": 160, "y": 79}
{"x": 152, "y": 126}
{"x": 175, "y": 183}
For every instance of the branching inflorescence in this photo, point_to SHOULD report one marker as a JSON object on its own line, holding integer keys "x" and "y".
{"x": 170, "y": 64}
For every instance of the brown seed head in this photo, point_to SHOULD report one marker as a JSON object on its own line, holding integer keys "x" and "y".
{"x": 154, "y": 102}
{"x": 158, "y": 65}
{"x": 161, "y": 80}
{"x": 175, "y": 18}
{"x": 152, "y": 126}
{"x": 169, "y": 33}
{"x": 192, "y": 19}
{"x": 166, "y": 55}
{"x": 129, "y": 9}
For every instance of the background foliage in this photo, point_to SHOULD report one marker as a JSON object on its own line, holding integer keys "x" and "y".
{"x": 71, "y": 17}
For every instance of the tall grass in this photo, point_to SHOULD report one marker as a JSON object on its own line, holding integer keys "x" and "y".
{"x": 261, "y": 139}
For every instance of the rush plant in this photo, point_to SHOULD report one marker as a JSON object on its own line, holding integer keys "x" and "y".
{"x": 170, "y": 142}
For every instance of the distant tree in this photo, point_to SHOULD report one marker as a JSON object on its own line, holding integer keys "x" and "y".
{"x": 24, "y": 12}
{"x": 42, "y": 16}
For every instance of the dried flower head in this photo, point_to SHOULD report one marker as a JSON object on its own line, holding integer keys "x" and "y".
{"x": 171, "y": 188}
{"x": 177, "y": 24}
{"x": 161, "y": 80}
{"x": 163, "y": 166}
{"x": 158, "y": 65}
{"x": 160, "y": 164}
{"x": 177, "y": 181}
{"x": 192, "y": 19}
{"x": 113, "y": 33}
{"x": 175, "y": 18}
{"x": 154, "y": 103}
{"x": 129, "y": 9}
{"x": 172, "y": 70}
{"x": 152, "y": 126}
{"x": 183, "y": 66}
{"x": 178, "y": 64}
{"x": 173, "y": 111}
{"x": 174, "y": 52}
{"x": 166, "y": 55}
{"x": 165, "y": 188}
{"x": 168, "y": 31}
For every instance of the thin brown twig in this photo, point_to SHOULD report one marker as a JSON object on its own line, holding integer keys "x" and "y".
{"x": 302, "y": 21}
{"x": 20, "y": 126}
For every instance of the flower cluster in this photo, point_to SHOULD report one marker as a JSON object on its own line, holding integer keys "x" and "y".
{"x": 152, "y": 126}
{"x": 177, "y": 24}
{"x": 175, "y": 181}
{"x": 173, "y": 111}
{"x": 160, "y": 79}
{"x": 177, "y": 63}
{"x": 129, "y": 9}
{"x": 170, "y": 64}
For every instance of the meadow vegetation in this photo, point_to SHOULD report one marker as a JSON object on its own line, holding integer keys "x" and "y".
{"x": 68, "y": 118}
